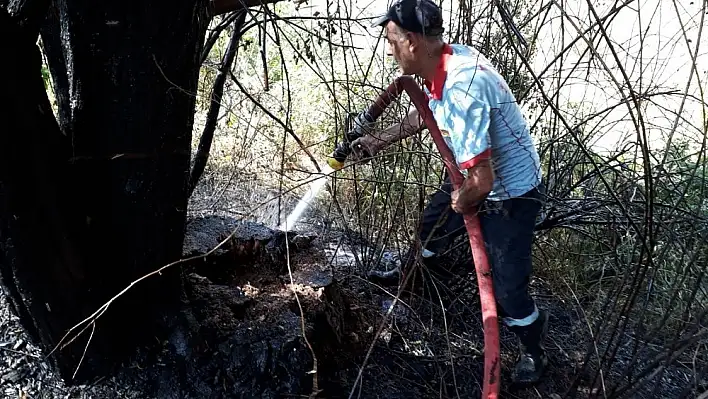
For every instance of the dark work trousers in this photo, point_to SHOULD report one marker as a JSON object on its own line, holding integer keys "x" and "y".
{"x": 507, "y": 228}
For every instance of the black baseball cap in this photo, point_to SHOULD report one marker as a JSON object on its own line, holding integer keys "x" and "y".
{"x": 420, "y": 16}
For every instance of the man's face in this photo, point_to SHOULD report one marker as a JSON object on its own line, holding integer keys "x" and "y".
{"x": 403, "y": 48}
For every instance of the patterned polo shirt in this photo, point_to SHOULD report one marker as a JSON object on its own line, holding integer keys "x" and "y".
{"x": 479, "y": 118}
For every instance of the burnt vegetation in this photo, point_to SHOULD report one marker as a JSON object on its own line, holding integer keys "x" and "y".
{"x": 150, "y": 152}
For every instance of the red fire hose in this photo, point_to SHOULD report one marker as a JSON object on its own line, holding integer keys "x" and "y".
{"x": 484, "y": 277}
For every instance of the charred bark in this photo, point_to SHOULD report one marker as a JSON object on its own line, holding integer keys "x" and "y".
{"x": 50, "y": 33}
{"x": 87, "y": 212}
{"x": 133, "y": 71}
{"x": 40, "y": 268}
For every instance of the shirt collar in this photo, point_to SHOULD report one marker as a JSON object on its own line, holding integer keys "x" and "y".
{"x": 435, "y": 86}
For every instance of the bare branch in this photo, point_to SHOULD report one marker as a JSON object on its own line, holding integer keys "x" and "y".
{"x": 202, "y": 155}
{"x": 223, "y": 6}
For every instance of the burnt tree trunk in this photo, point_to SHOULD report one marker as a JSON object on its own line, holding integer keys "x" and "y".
{"x": 92, "y": 203}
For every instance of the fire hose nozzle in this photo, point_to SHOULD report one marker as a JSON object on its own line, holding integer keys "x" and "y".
{"x": 335, "y": 164}
{"x": 362, "y": 123}
{"x": 339, "y": 155}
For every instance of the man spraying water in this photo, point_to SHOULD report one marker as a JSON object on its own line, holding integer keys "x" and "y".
{"x": 484, "y": 127}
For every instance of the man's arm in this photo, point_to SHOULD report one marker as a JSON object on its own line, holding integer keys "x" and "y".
{"x": 409, "y": 126}
{"x": 370, "y": 144}
{"x": 477, "y": 185}
{"x": 469, "y": 106}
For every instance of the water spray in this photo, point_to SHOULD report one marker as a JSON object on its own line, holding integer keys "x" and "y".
{"x": 357, "y": 126}
{"x": 316, "y": 186}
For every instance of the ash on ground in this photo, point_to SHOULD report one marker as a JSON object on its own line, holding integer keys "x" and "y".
{"x": 24, "y": 374}
{"x": 244, "y": 337}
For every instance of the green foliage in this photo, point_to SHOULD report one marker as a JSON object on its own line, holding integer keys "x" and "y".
{"x": 46, "y": 77}
{"x": 47, "y": 80}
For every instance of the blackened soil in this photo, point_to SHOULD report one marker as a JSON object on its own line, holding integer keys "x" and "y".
{"x": 298, "y": 320}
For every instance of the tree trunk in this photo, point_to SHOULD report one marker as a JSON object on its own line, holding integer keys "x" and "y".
{"x": 91, "y": 207}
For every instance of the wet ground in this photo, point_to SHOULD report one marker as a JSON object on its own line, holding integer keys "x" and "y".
{"x": 240, "y": 333}
{"x": 251, "y": 311}
{"x": 271, "y": 315}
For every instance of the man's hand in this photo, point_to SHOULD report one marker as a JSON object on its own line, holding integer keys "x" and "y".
{"x": 474, "y": 189}
{"x": 366, "y": 146}
{"x": 462, "y": 205}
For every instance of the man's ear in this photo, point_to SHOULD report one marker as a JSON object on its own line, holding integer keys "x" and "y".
{"x": 413, "y": 41}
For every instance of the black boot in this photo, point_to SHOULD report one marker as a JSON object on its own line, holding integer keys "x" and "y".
{"x": 533, "y": 358}
{"x": 392, "y": 276}
{"x": 388, "y": 271}
{"x": 385, "y": 277}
